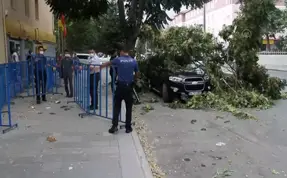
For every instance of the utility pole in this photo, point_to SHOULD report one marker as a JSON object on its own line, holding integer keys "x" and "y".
{"x": 204, "y": 18}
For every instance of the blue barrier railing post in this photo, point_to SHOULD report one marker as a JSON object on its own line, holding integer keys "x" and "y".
{"x": 94, "y": 90}
{"x": 100, "y": 86}
{"x": 33, "y": 74}
{"x": 44, "y": 77}
{"x": 107, "y": 92}
{"x": 7, "y": 84}
{"x": 82, "y": 89}
{"x": 28, "y": 78}
{"x": 75, "y": 76}
{"x": 85, "y": 86}
{"x": 88, "y": 87}
{"x": 113, "y": 92}
{"x": 8, "y": 98}
{"x": 3, "y": 96}
{"x": 37, "y": 80}
{"x": 74, "y": 80}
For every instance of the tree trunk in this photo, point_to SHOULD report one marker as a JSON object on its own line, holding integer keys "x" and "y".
{"x": 268, "y": 42}
{"x": 130, "y": 43}
{"x": 131, "y": 35}
{"x": 132, "y": 24}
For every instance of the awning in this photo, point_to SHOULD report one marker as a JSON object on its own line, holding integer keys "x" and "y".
{"x": 19, "y": 29}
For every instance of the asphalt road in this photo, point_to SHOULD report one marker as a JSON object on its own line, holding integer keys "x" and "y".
{"x": 280, "y": 74}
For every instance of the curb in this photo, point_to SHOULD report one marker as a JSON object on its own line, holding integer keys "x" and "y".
{"x": 280, "y": 70}
{"x": 142, "y": 157}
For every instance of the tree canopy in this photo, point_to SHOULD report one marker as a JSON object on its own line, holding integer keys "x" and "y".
{"x": 101, "y": 34}
{"x": 277, "y": 24}
{"x": 132, "y": 13}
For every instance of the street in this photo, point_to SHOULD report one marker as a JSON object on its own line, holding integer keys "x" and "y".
{"x": 280, "y": 74}
{"x": 201, "y": 144}
{"x": 211, "y": 144}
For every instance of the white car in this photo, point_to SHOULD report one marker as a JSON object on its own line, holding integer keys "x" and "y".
{"x": 83, "y": 58}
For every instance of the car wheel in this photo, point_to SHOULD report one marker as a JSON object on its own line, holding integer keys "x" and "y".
{"x": 165, "y": 93}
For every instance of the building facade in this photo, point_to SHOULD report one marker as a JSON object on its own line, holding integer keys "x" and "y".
{"x": 3, "y": 52}
{"x": 26, "y": 24}
{"x": 217, "y": 14}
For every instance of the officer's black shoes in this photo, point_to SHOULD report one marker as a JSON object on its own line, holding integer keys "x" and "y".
{"x": 38, "y": 100}
{"x": 44, "y": 98}
{"x": 68, "y": 95}
{"x": 93, "y": 107}
{"x": 129, "y": 129}
{"x": 113, "y": 129}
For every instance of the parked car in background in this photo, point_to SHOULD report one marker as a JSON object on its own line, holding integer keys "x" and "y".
{"x": 83, "y": 58}
{"x": 191, "y": 81}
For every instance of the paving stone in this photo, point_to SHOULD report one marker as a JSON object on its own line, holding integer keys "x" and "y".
{"x": 83, "y": 147}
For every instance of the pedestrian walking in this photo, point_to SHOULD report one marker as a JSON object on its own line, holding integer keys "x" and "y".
{"x": 67, "y": 69}
{"x": 95, "y": 63}
{"x": 40, "y": 64}
{"x": 14, "y": 56}
{"x": 126, "y": 66}
{"x": 113, "y": 70}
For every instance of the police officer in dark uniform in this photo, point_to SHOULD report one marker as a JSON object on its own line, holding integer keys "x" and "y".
{"x": 126, "y": 66}
{"x": 67, "y": 69}
{"x": 40, "y": 64}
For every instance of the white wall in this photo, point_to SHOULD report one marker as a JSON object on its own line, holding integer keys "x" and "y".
{"x": 215, "y": 20}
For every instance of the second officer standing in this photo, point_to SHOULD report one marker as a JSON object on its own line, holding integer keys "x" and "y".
{"x": 126, "y": 67}
{"x": 67, "y": 72}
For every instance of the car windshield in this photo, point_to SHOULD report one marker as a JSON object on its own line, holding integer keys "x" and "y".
{"x": 197, "y": 67}
{"x": 83, "y": 56}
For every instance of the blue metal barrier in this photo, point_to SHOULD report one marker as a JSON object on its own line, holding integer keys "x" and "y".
{"x": 5, "y": 98}
{"x": 25, "y": 79}
{"x": 92, "y": 92}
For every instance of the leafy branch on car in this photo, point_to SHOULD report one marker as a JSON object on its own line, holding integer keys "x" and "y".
{"x": 190, "y": 64}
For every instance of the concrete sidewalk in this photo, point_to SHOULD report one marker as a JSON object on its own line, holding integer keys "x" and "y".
{"x": 83, "y": 147}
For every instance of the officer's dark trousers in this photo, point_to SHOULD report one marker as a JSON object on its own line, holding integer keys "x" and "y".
{"x": 30, "y": 73}
{"x": 68, "y": 81}
{"x": 113, "y": 74}
{"x": 94, "y": 82}
{"x": 113, "y": 80}
{"x": 123, "y": 92}
{"x": 40, "y": 83}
